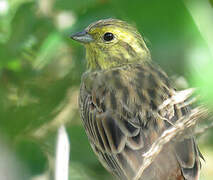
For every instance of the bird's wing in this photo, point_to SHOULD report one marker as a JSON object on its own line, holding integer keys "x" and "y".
{"x": 119, "y": 108}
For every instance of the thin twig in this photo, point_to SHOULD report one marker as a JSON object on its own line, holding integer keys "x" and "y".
{"x": 62, "y": 155}
{"x": 180, "y": 126}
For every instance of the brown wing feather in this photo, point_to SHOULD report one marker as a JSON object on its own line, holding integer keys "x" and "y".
{"x": 119, "y": 111}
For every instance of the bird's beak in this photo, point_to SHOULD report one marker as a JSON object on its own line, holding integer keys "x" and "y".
{"x": 82, "y": 37}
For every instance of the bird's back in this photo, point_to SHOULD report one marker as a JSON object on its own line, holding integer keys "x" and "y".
{"x": 121, "y": 116}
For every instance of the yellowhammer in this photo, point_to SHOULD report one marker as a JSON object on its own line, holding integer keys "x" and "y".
{"x": 119, "y": 103}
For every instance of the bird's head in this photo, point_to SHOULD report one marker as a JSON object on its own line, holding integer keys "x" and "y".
{"x": 111, "y": 43}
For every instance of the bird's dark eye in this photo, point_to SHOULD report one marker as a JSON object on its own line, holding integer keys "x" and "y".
{"x": 108, "y": 36}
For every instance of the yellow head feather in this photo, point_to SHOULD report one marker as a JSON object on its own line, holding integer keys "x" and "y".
{"x": 114, "y": 43}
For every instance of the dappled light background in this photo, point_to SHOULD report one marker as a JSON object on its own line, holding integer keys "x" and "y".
{"x": 41, "y": 68}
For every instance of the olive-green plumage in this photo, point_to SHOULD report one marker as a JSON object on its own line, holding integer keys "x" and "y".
{"x": 119, "y": 103}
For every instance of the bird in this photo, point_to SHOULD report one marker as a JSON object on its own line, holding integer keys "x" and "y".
{"x": 119, "y": 99}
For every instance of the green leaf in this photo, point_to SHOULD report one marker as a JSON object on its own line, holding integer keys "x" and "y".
{"x": 202, "y": 78}
{"x": 14, "y": 65}
{"x": 48, "y": 50}
{"x": 211, "y": 2}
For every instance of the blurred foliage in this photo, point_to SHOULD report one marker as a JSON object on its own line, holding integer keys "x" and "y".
{"x": 41, "y": 68}
{"x": 211, "y": 2}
